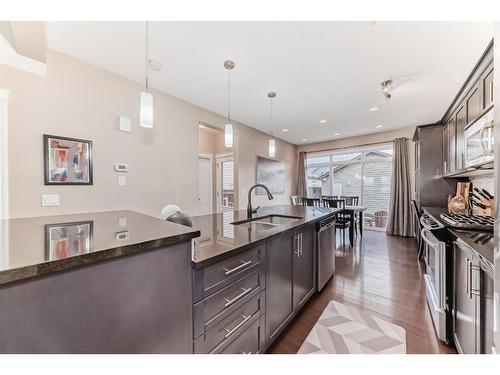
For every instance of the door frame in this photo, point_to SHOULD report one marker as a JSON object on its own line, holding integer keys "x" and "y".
{"x": 4, "y": 186}
{"x": 210, "y": 158}
{"x": 4, "y": 178}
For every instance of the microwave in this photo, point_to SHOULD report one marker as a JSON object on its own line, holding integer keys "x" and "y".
{"x": 479, "y": 141}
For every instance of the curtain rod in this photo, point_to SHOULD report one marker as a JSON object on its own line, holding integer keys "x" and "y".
{"x": 350, "y": 147}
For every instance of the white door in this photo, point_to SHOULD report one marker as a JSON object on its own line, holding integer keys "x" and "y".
{"x": 205, "y": 184}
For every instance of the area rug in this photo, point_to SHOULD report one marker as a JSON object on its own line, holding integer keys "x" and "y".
{"x": 343, "y": 329}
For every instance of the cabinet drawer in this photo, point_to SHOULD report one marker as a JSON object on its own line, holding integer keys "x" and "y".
{"x": 230, "y": 327}
{"x": 213, "y": 309}
{"x": 249, "y": 342}
{"x": 210, "y": 279}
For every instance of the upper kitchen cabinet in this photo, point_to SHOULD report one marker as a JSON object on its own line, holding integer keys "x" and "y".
{"x": 465, "y": 113}
{"x": 487, "y": 85}
{"x": 473, "y": 103}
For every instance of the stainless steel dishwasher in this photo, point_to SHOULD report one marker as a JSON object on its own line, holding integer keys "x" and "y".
{"x": 326, "y": 251}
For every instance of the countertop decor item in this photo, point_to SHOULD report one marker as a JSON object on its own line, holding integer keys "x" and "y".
{"x": 343, "y": 329}
{"x": 67, "y": 161}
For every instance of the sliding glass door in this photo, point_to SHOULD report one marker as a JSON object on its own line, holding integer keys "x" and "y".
{"x": 362, "y": 172}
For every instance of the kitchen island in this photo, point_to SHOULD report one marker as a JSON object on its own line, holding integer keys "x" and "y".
{"x": 251, "y": 278}
{"x": 123, "y": 282}
{"x": 106, "y": 282}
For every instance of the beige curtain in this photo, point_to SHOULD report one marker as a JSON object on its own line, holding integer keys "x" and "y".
{"x": 302, "y": 175}
{"x": 400, "y": 222}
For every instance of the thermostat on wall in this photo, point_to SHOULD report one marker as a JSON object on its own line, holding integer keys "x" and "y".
{"x": 121, "y": 167}
{"x": 122, "y": 235}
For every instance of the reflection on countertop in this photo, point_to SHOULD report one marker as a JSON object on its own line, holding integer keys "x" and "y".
{"x": 41, "y": 245}
{"x": 220, "y": 238}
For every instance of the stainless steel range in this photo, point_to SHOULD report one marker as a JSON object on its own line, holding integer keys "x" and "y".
{"x": 438, "y": 284}
{"x": 486, "y": 223}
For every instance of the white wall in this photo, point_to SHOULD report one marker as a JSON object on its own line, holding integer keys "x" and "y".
{"x": 82, "y": 101}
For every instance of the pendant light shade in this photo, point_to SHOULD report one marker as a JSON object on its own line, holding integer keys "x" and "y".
{"x": 146, "y": 110}
{"x": 228, "y": 128}
{"x": 228, "y": 135}
{"x": 272, "y": 148}
{"x": 272, "y": 142}
{"x": 146, "y": 100}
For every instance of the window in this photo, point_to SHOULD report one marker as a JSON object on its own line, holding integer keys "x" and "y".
{"x": 225, "y": 190}
{"x": 364, "y": 172}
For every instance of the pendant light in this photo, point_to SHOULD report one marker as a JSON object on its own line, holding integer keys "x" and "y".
{"x": 146, "y": 100}
{"x": 272, "y": 141}
{"x": 228, "y": 128}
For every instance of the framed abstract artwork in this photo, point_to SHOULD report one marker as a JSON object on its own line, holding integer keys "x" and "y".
{"x": 67, "y": 161}
{"x": 271, "y": 173}
{"x": 68, "y": 239}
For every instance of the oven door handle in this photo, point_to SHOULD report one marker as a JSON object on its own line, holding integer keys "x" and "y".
{"x": 425, "y": 235}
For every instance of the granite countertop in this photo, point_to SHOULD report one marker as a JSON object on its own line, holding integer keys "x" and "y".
{"x": 482, "y": 242}
{"x": 220, "y": 239}
{"x": 41, "y": 245}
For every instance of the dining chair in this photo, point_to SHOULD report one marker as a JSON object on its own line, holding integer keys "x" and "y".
{"x": 342, "y": 221}
{"x": 311, "y": 202}
{"x": 295, "y": 200}
{"x": 352, "y": 200}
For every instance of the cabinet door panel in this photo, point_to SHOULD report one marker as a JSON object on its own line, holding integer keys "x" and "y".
{"x": 488, "y": 88}
{"x": 460, "y": 123}
{"x": 279, "y": 283}
{"x": 303, "y": 268}
{"x": 465, "y": 304}
{"x": 473, "y": 104}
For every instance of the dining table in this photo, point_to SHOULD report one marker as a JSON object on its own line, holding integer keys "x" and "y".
{"x": 352, "y": 211}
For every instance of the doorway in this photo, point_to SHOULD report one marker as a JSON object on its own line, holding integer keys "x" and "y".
{"x": 216, "y": 191}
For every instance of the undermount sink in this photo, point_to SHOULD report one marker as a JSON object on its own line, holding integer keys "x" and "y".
{"x": 268, "y": 221}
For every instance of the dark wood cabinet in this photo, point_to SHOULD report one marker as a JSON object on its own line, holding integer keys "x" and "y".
{"x": 279, "y": 284}
{"x": 460, "y": 123}
{"x": 290, "y": 277}
{"x": 487, "y": 87}
{"x": 303, "y": 267}
{"x": 473, "y": 104}
{"x": 430, "y": 190}
{"x": 449, "y": 146}
{"x": 465, "y": 319}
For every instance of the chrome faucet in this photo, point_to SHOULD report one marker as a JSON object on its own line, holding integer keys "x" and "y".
{"x": 250, "y": 210}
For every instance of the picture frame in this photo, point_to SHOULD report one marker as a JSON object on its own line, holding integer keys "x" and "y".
{"x": 67, "y": 161}
{"x": 63, "y": 240}
{"x": 272, "y": 173}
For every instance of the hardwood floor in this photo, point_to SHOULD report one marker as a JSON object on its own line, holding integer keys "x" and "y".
{"x": 379, "y": 275}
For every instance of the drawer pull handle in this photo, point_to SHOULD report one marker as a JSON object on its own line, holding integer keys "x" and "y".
{"x": 229, "y": 332}
{"x": 242, "y": 265}
{"x": 244, "y": 352}
{"x": 229, "y": 302}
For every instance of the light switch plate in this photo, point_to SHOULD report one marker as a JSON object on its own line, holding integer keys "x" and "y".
{"x": 121, "y": 167}
{"x": 122, "y": 180}
{"x": 124, "y": 124}
{"x": 49, "y": 200}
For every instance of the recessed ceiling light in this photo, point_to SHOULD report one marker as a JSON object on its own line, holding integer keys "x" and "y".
{"x": 323, "y": 121}
{"x": 304, "y": 139}
{"x": 379, "y": 126}
{"x": 284, "y": 130}
{"x": 336, "y": 134}
{"x": 373, "y": 109}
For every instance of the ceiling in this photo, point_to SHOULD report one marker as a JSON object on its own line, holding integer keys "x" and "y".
{"x": 319, "y": 70}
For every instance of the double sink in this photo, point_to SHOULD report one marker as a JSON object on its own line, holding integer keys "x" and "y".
{"x": 268, "y": 221}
